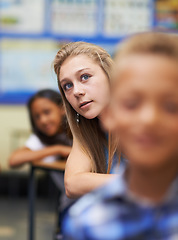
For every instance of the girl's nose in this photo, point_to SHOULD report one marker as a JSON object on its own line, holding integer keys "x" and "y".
{"x": 43, "y": 119}
{"x": 79, "y": 90}
{"x": 149, "y": 116}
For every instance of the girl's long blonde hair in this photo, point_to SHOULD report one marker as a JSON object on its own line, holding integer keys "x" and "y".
{"x": 88, "y": 132}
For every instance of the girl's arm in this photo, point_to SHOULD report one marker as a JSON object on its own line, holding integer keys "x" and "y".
{"x": 78, "y": 176}
{"x": 25, "y": 155}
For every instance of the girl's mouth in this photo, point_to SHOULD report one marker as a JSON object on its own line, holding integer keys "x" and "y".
{"x": 82, "y": 105}
{"x": 147, "y": 141}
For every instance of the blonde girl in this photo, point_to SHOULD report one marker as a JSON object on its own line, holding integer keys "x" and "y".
{"x": 83, "y": 73}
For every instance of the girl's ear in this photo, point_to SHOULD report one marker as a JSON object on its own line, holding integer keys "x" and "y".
{"x": 107, "y": 119}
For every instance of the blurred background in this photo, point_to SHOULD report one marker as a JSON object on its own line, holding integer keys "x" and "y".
{"x": 31, "y": 33}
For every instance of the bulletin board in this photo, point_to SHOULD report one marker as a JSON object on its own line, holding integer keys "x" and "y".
{"x": 31, "y": 33}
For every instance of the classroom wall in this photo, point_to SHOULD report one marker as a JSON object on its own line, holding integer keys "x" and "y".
{"x": 14, "y": 130}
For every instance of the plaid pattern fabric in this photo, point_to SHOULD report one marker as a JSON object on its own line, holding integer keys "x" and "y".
{"x": 111, "y": 213}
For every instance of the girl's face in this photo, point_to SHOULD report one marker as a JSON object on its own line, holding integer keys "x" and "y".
{"x": 47, "y": 116}
{"x": 85, "y": 85}
{"x": 145, "y": 110}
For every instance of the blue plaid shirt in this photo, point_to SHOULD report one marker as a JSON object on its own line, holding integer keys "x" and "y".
{"x": 111, "y": 213}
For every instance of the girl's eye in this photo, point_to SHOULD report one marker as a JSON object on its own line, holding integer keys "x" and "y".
{"x": 67, "y": 86}
{"x": 130, "y": 104}
{"x": 47, "y": 111}
{"x": 85, "y": 77}
{"x": 171, "y": 107}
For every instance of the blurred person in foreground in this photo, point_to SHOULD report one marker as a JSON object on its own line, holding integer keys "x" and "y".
{"x": 142, "y": 203}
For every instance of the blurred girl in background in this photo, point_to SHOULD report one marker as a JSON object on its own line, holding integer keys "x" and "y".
{"x": 49, "y": 140}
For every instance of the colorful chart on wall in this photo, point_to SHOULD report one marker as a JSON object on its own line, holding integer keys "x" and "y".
{"x": 167, "y": 14}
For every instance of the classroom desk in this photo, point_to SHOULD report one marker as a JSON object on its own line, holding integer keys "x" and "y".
{"x": 55, "y": 166}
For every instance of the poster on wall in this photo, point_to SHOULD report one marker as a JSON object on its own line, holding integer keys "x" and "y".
{"x": 167, "y": 14}
{"x": 123, "y": 17}
{"x": 22, "y": 16}
{"x": 74, "y": 17}
{"x": 26, "y": 65}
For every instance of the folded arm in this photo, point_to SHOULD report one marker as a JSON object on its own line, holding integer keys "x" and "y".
{"x": 78, "y": 176}
{"x": 26, "y": 155}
